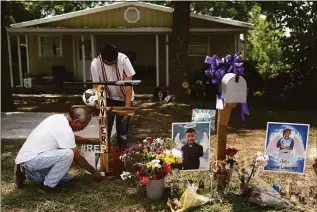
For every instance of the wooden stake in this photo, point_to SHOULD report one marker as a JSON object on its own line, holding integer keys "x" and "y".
{"x": 222, "y": 125}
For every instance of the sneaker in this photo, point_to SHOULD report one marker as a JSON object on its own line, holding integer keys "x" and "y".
{"x": 43, "y": 189}
{"x": 19, "y": 175}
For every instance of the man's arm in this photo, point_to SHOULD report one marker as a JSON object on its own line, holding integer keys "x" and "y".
{"x": 128, "y": 73}
{"x": 81, "y": 140}
{"x": 81, "y": 162}
{"x": 128, "y": 93}
{"x": 278, "y": 145}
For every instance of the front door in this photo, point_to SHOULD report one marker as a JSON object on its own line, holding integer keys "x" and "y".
{"x": 80, "y": 72}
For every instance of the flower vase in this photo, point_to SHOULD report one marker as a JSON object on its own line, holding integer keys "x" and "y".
{"x": 155, "y": 189}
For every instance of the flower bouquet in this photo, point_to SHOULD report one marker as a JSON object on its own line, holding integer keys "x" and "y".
{"x": 150, "y": 162}
{"x": 252, "y": 171}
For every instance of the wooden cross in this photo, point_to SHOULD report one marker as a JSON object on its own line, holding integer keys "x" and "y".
{"x": 103, "y": 119}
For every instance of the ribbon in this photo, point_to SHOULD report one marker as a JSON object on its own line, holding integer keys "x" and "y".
{"x": 218, "y": 68}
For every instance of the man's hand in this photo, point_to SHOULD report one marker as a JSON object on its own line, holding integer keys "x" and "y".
{"x": 282, "y": 146}
{"x": 96, "y": 176}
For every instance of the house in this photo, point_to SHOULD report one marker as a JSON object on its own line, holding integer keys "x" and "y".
{"x": 70, "y": 41}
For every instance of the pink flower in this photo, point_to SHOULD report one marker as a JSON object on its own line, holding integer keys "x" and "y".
{"x": 145, "y": 181}
{"x": 137, "y": 174}
{"x": 159, "y": 150}
{"x": 166, "y": 168}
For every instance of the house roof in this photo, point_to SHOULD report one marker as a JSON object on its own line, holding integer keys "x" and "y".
{"x": 124, "y": 4}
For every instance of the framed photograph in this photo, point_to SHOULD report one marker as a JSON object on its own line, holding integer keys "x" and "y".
{"x": 286, "y": 147}
{"x": 204, "y": 115}
{"x": 193, "y": 139}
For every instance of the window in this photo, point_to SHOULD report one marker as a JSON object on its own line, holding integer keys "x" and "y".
{"x": 50, "y": 46}
{"x": 198, "y": 45}
{"x": 197, "y": 50}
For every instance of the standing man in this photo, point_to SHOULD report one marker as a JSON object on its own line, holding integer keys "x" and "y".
{"x": 50, "y": 149}
{"x": 111, "y": 65}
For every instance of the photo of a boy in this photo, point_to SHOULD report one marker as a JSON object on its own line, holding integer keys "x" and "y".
{"x": 192, "y": 151}
{"x": 285, "y": 144}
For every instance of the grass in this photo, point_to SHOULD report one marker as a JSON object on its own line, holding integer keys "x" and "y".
{"x": 154, "y": 119}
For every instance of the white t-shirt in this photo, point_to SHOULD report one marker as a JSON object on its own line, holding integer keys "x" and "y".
{"x": 52, "y": 133}
{"x": 100, "y": 72}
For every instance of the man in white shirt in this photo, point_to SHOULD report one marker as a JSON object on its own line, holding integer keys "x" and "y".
{"x": 50, "y": 149}
{"x": 111, "y": 65}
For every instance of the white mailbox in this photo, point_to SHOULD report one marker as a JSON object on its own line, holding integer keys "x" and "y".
{"x": 232, "y": 91}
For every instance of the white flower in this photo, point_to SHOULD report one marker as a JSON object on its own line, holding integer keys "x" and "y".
{"x": 159, "y": 141}
{"x": 266, "y": 157}
{"x": 156, "y": 165}
{"x": 125, "y": 175}
{"x": 167, "y": 152}
{"x": 177, "y": 153}
{"x": 259, "y": 158}
{"x": 156, "y": 161}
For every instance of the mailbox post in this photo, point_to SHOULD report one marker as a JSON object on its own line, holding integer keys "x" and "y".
{"x": 234, "y": 90}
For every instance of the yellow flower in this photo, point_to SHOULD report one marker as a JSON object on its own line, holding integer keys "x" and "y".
{"x": 169, "y": 160}
{"x": 160, "y": 156}
{"x": 149, "y": 165}
{"x": 185, "y": 84}
{"x": 178, "y": 160}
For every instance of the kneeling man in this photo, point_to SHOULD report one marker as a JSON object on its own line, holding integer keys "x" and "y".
{"x": 50, "y": 149}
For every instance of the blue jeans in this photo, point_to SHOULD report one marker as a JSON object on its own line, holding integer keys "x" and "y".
{"x": 121, "y": 127}
{"x": 50, "y": 166}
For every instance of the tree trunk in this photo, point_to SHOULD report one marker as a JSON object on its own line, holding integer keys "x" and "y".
{"x": 6, "y": 94}
{"x": 179, "y": 48}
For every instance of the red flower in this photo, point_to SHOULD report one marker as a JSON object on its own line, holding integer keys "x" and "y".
{"x": 149, "y": 139}
{"x": 153, "y": 177}
{"x": 145, "y": 181}
{"x": 231, "y": 151}
{"x": 166, "y": 168}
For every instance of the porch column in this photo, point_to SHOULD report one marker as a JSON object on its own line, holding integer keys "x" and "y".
{"x": 167, "y": 60}
{"x": 19, "y": 57}
{"x": 236, "y": 43}
{"x": 245, "y": 46}
{"x": 92, "y": 47}
{"x": 74, "y": 57}
{"x": 83, "y": 57}
{"x": 157, "y": 61}
{"x": 27, "y": 53}
{"x": 10, "y": 60}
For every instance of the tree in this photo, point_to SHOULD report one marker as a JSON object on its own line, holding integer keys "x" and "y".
{"x": 6, "y": 94}
{"x": 300, "y": 48}
{"x": 179, "y": 47}
{"x": 225, "y": 9}
{"x": 264, "y": 44}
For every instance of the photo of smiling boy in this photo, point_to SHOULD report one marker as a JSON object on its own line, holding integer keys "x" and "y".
{"x": 192, "y": 151}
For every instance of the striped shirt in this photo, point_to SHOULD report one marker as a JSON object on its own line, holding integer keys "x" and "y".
{"x": 101, "y": 72}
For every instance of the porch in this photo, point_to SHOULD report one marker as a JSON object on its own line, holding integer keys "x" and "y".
{"x": 62, "y": 47}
